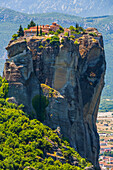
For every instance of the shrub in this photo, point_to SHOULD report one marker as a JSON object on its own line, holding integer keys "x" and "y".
{"x": 43, "y": 33}
{"x": 62, "y": 41}
{"x": 72, "y": 36}
{"x": 3, "y": 88}
{"x": 83, "y": 162}
{"x": 61, "y": 28}
{"x": 72, "y": 28}
{"x": 93, "y": 34}
{"x": 56, "y": 33}
{"x": 54, "y": 40}
{"x": 41, "y": 47}
{"x": 76, "y": 42}
{"x": 39, "y": 103}
{"x": 51, "y": 32}
{"x": 81, "y": 29}
{"x": 14, "y": 36}
{"x": 66, "y": 34}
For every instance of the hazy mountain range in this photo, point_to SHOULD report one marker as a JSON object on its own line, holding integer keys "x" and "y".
{"x": 82, "y": 8}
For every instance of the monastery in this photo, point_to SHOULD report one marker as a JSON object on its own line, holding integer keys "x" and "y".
{"x": 45, "y": 28}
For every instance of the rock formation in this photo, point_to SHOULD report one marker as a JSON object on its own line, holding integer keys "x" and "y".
{"x": 75, "y": 70}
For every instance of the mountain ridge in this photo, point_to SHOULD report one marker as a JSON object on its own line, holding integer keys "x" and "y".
{"x": 77, "y": 7}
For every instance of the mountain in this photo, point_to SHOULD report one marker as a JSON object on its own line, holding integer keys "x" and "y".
{"x": 74, "y": 7}
{"x": 10, "y": 21}
{"x": 70, "y": 71}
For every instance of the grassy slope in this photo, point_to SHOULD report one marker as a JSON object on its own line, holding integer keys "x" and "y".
{"x": 10, "y": 21}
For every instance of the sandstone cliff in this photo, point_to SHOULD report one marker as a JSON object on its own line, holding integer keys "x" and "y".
{"x": 75, "y": 70}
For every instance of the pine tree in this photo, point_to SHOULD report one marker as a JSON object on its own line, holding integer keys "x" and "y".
{"x": 37, "y": 31}
{"x": 20, "y": 32}
{"x": 77, "y": 25}
{"x": 32, "y": 24}
{"x": 40, "y": 30}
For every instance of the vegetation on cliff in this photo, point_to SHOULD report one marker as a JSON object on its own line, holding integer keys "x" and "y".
{"x": 28, "y": 143}
{"x": 39, "y": 103}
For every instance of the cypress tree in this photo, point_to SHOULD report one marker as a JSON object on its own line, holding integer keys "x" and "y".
{"x": 37, "y": 31}
{"x": 40, "y": 30}
{"x": 77, "y": 25}
{"x": 20, "y": 32}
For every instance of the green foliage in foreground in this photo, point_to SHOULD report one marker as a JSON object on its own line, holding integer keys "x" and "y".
{"x": 25, "y": 142}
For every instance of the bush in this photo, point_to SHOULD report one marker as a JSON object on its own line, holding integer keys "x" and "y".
{"x": 93, "y": 34}
{"x": 39, "y": 103}
{"x": 72, "y": 28}
{"x": 41, "y": 47}
{"x": 3, "y": 88}
{"x": 83, "y": 162}
{"x": 48, "y": 40}
{"x": 61, "y": 29}
{"x": 54, "y": 40}
{"x": 56, "y": 33}
{"x": 51, "y": 32}
{"x": 66, "y": 34}
{"x": 72, "y": 36}
{"x": 62, "y": 41}
{"x": 43, "y": 33}
{"x": 76, "y": 42}
{"x": 14, "y": 36}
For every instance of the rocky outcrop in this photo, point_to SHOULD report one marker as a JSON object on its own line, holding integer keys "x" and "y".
{"x": 75, "y": 70}
{"x": 18, "y": 70}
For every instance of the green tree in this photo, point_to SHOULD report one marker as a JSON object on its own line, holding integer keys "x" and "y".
{"x": 71, "y": 28}
{"x": 3, "y": 87}
{"x": 39, "y": 103}
{"x": 20, "y": 32}
{"x": 32, "y": 24}
{"x": 14, "y": 36}
{"x": 40, "y": 31}
{"x": 37, "y": 30}
{"x": 77, "y": 25}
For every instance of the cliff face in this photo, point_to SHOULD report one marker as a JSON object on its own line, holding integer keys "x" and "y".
{"x": 75, "y": 70}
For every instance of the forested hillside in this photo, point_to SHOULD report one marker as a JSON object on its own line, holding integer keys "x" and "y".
{"x": 28, "y": 144}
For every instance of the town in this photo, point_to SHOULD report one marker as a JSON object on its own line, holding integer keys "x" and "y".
{"x": 105, "y": 130}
